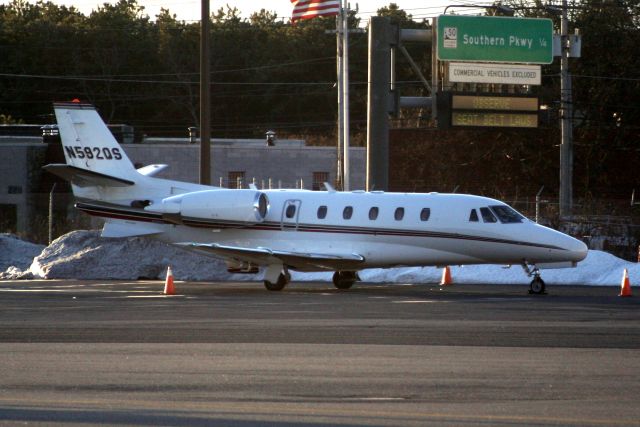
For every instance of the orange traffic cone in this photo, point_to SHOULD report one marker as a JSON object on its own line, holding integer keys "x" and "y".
{"x": 446, "y": 277}
{"x": 169, "y": 289}
{"x": 625, "y": 287}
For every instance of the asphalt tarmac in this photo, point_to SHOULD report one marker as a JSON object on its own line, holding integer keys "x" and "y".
{"x": 235, "y": 354}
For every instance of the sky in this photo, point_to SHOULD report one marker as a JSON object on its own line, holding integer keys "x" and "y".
{"x": 189, "y": 10}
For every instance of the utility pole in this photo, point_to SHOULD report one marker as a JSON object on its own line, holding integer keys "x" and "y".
{"x": 345, "y": 96}
{"x": 205, "y": 101}
{"x": 342, "y": 63}
{"x": 566, "y": 120}
{"x": 339, "y": 59}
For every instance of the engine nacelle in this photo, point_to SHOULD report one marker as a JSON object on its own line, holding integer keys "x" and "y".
{"x": 223, "y": 205}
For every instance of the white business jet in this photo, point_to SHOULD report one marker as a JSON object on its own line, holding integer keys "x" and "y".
{"x": 284, "y": 230}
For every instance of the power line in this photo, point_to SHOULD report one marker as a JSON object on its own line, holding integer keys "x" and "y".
{"x": 114, "y": 80}
{"x": 584, "y": 76}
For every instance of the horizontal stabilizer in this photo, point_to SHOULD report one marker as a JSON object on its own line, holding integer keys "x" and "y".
{"x": 297, "y": 260}
{"x": 152, "y": 170}
{"x": 86, "y": 178}
{"x": 129, "y": 229}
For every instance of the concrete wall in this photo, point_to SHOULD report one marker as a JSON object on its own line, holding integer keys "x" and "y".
{"x": 18, "y": 176}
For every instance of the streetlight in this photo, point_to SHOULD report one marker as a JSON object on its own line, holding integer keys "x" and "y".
{"x": 271, "y": 138}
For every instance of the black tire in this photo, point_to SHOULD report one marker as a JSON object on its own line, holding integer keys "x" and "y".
{"x": 537, "y": 286}
{"x": 344, "y": 279}
{"x": 343, "y": 285}
{"x": 279, "y": 285}
{"x": 274, "y": 286}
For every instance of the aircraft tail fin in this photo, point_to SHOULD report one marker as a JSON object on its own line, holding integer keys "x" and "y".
{"x": 88, "y": 143}
{"x": 96, "y": 164}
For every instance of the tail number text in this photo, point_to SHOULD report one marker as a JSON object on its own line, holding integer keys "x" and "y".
{"x": 99, "y": 153}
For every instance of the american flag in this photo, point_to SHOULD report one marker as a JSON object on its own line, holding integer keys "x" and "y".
{"x": 307, "y": 9}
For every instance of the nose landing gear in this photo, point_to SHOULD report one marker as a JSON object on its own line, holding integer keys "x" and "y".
{"x": 537, "y": 285}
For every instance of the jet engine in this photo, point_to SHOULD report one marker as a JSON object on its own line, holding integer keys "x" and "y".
{"x": 249, "y": 206}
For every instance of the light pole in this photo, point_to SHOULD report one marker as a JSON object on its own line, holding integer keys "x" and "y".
{"x": 205, "y": 102}
{"x": 566, "y": 120}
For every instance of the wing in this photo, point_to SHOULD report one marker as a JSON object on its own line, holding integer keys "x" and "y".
{"x": 116, "y": 228}
{"x": 302, "y": 261}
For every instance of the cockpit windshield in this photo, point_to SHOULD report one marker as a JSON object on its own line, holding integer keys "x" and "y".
{"x": 506, "y": 214}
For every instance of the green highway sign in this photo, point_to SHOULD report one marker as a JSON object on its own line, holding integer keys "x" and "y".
{"x": 495, "y": 39}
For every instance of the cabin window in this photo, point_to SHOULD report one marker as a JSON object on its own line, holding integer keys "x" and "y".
{"x": 487, "y": 216}
{"x": 373, "y": 213}
{"x": 399, "y": 214}
{"x": 290, "y": 212}
{"x": 322, "y": 212}
{"x": 347, "y": 212}
{"x": 425, "y": 213}
{"x": 473, "y": 216}
{"x": 506, "y": 214}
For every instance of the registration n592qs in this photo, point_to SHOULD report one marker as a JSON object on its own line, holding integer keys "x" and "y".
{"x": 282, "y": 230}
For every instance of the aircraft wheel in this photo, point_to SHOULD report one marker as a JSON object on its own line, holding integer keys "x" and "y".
{"x": 344, "y": 279}
{"x": 279, "y": 284}
{"x": 537, "y": 286}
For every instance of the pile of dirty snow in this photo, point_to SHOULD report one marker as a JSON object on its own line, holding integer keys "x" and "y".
{"x": 15, "y": 254}
{"x": 85, "y": 255}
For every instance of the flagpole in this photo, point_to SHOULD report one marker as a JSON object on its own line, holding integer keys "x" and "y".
{"x": 339, "y": 56}
{"x": 345, "y": 89}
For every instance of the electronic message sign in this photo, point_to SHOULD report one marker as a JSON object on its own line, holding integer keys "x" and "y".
{"x": 487, "y": 110}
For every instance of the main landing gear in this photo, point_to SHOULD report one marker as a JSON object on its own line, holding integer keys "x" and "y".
{"x": 344, "y": 279}
{"x": 283, "y": 278}
{"x": 537, "y": 286}
{"x": 277, "y": 277}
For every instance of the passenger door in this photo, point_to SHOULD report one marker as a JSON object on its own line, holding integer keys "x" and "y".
{"x": 290, "y": 215}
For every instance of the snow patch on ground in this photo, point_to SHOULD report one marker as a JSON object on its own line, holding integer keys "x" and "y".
{"x": 85, "y": 255}
{"x": 598, "y": 269}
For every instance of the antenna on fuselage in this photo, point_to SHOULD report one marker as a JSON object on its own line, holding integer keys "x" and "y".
{"x": 329, "y": 187}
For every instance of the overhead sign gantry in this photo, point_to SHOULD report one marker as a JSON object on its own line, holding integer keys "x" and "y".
{"x": 473, "y": 59}
{"x": 478, "y": 52}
